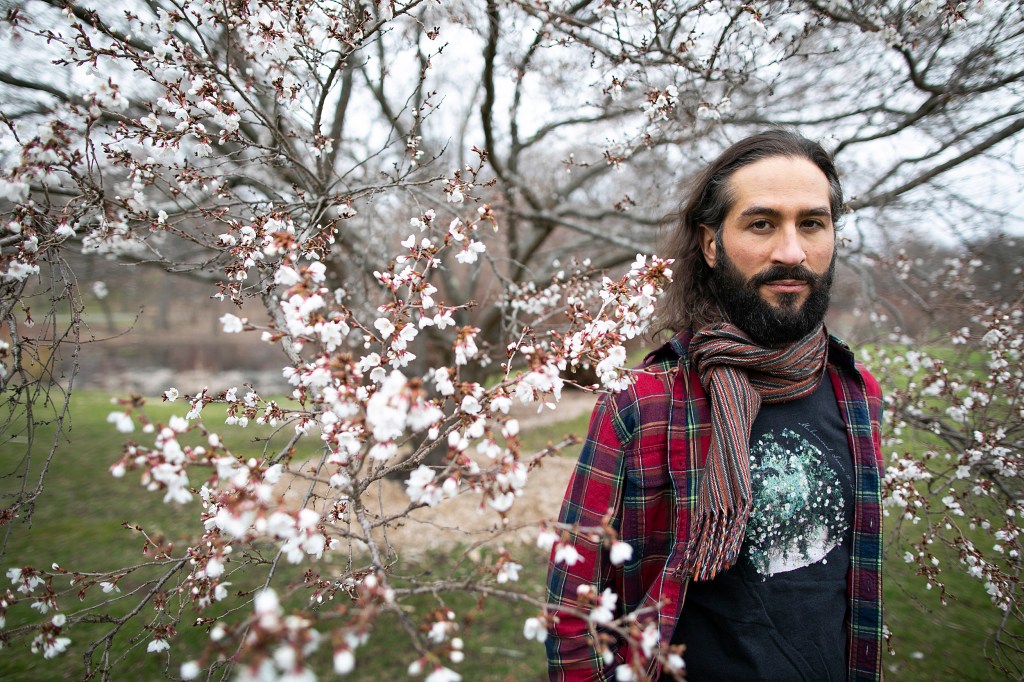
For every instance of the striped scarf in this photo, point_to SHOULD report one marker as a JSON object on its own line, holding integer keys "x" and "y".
{"x": 738, "y": 376}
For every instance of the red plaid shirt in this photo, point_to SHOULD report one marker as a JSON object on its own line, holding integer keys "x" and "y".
{"x": 642, "y": 463}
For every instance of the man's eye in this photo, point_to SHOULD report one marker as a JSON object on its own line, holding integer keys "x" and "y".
{"x": 813, "y": 225}
{"x": 761, "y": 225}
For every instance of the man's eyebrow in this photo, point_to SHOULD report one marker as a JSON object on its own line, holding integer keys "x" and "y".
{"x": 817, "y": 211}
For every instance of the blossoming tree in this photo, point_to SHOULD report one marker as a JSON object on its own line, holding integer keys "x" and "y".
{"x": 422, "y": 198}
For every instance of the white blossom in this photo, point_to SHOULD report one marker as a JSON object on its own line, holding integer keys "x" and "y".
{"x": 620, "y": 553}
{"x": 232, "y": 323}
{"x": 420, "y": 486}
{"x": 344, "y": 661}
{"x": 122, "y": 421}
{"x": 442, "y": 674}
{"x": 547, "y": 539}
{"x": 604, "y": 612}
{"x": 533, "y": 628}
{"x": 19, "y": 271}
{"x": 502, "y": 502}
{"x": 157, "y": 645}
{"x": 567, "y": 554}
{"x": 384, "y": 326}
{"x": 624, "y": 673}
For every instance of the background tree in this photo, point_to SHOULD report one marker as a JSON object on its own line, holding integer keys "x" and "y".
{"x": 284, "y": 152}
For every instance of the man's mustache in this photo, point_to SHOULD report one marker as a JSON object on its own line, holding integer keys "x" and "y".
{"x": 775, "y": 273}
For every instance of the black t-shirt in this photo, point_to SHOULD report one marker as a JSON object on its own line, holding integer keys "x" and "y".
{"x": 780, "y": 612}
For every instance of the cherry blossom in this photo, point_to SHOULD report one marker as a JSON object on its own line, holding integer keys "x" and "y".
{"x": 567, "y": 554}
{"x": 620, "y": 553}
{"x": 534, "y": 628}
{"x": 604, "y": 611}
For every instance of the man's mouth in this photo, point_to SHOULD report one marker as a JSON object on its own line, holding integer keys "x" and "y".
{"x": 786, "y": 286}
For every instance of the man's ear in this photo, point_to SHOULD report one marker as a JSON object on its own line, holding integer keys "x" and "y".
{"x": 708, "y": 245}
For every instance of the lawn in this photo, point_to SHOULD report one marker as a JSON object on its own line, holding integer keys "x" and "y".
{"x": 78, "y": 523}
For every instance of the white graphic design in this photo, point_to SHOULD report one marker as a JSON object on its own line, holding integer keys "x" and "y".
{"x": 798, "y": 515}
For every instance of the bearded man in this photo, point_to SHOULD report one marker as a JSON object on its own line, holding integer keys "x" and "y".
{"x": 742, "y": 467}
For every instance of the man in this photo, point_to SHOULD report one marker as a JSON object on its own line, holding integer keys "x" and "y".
{"x": 742, "y": 467}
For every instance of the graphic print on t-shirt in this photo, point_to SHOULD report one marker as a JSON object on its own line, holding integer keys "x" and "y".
{"x": 798, "y": 512}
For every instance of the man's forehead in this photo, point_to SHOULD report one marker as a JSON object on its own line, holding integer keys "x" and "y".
{"x": 779, "y": 180}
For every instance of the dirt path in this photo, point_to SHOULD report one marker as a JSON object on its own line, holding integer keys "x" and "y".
{"x": 467, "y": 519}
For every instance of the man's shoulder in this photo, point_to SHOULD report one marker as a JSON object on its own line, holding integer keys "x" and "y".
{"x": 654, "y": 376}
{"x": 841, "y": 355}
{"x": 647, "y": 399}
{"x": 651, "y": 385}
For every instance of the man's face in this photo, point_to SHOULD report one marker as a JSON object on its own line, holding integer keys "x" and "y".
{"x": 773, "y": 259}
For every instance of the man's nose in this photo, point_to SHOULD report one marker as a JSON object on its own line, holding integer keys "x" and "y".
{"x": 789, "y": 247}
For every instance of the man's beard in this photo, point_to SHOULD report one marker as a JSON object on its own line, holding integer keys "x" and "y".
{"x": 766, "y": 324}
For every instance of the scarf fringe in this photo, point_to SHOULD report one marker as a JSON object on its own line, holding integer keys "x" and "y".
{"x": 715, "y": 542}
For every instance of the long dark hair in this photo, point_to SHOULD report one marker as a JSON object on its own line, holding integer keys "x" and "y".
{"x": 688, "y": 301}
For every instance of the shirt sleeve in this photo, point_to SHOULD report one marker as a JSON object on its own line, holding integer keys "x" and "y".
{"x": 595, "y": 490}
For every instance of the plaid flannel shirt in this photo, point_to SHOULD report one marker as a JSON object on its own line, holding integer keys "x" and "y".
{"x": 641, "y": 464}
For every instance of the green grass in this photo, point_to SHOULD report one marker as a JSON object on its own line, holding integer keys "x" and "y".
{"x": 935, "y": 642}
{"x": 78, "y": 523}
